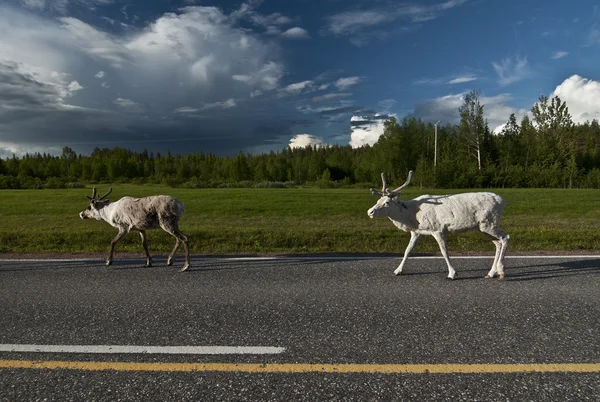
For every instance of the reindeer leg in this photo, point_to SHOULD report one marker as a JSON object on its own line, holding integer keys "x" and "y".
{"x": 145, "y": 244}
{"x": 500, "y": 240}
{"x": 113, "y": 243}
{"x": 173, "y": 229}
{"x": 439, "y": 237}
{"x": 413, "y": 240}
{"x": 181, "y": 238}
{"x": 186, "y": 244}
{"x": 170, "y": 259}
{"x": 500, "y": 264}
{"x": 501, "y": 246}
{"x": 494, "y": 268}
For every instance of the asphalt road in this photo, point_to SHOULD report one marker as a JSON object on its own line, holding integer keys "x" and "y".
{"x": 320, "y": 311}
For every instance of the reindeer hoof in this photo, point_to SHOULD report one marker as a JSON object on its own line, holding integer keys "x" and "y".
{"x": 185, "y": 267}
{"x": 169, "y": 262}
{"x": 108, "y": 262}
{"x": 148, "y": 265}
{"x": 487, "y": 277}
{"x": 501, "y": 277}
{"x": 397, "y": 273}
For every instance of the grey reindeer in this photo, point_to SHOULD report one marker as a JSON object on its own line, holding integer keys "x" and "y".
{"x": 141, "y": 214}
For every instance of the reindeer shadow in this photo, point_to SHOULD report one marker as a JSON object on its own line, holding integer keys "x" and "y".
{"x": 553, "y": 270}
{"x": 32, "y": 265}
{"x": 550, "y": 270}
{"x": 208, "y": 265}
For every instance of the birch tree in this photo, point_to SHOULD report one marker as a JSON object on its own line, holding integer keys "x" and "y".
{"x": 472, "y": 125}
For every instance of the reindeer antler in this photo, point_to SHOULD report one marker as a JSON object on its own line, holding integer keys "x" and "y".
{"x": 93, "y": 195}
{"x": 384, "y": 189}
{"x": 107, "y": 193}
{"x": 406, "y": 183}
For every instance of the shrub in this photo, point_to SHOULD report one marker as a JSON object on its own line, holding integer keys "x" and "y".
{"x": 54, "y": 182}
{"x": 270, "y": 184}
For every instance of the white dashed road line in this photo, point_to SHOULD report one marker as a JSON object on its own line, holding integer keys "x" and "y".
{"x": 129, "y": 349}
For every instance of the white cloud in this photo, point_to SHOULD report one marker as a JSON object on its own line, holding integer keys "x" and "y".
{"x": 559, "y": 55}
{"x": 331, "y": 96}
{"x": 582, "y": 96}
{"x": 227, "y": 104}
{"x": 100, "y": 74}
{"x": 223, "y": 105}
{"x": 272, "y": 30}
{"x": 60, "y": 6}
{"x": 266, "y": 78}
{"x": 427, "y": 81}
{"x": 296, "y": 33}
{"x": 350, "y": 22}
{"x": 74, "y": 86}
{"x": 298, "y": 87}
{"x": 96, "y": 44}
{"x": 497, "y": 111}
{"x": 593, "y": 36}
{"x": 511, "y": 70}
{"x": 34, "y": 4}
{"x": 242, "y": 78}
{"x": 247, "y": 12}
{"x": 186, "y": 109}
{"x": 347, "y": 82}
{"x": 366, "y": 130}
{"x": 363, "y": 25}
{"x": 304, "y": 140}
{"x": 461, "y": 80}
{"x": 128, "y": 104}
{"x": 200, "y": 69}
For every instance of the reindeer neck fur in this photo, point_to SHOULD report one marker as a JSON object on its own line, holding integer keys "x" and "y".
{"x": 403, "y": 214}
{"x": 108, "y": 211}
{"x": 115, "y": 212}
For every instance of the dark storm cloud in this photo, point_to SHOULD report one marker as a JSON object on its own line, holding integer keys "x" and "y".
{"x": 20, "y": 90}
{"x": 189, "y": 81}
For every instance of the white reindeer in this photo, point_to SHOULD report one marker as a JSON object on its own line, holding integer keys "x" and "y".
{"x": 437, "y": 215}
{"x": 140, "y": 214}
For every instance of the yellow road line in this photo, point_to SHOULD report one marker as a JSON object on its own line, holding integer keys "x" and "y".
{"x": 306, "y": 368}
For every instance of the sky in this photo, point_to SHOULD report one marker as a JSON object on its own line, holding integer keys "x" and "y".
{"x": 253, "y": 76}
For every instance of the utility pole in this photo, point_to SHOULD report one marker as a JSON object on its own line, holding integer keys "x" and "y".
{"x": 435, "y": 148}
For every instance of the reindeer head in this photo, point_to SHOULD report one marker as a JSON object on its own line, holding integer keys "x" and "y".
{"x": 389, "y": 198}
{"x": 96, "y": 204}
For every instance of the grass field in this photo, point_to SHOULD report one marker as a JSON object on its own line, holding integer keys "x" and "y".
{"x": 294, "y": 220}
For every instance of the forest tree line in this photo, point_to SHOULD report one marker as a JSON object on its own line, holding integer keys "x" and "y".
{"x": 546, "y": 150}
